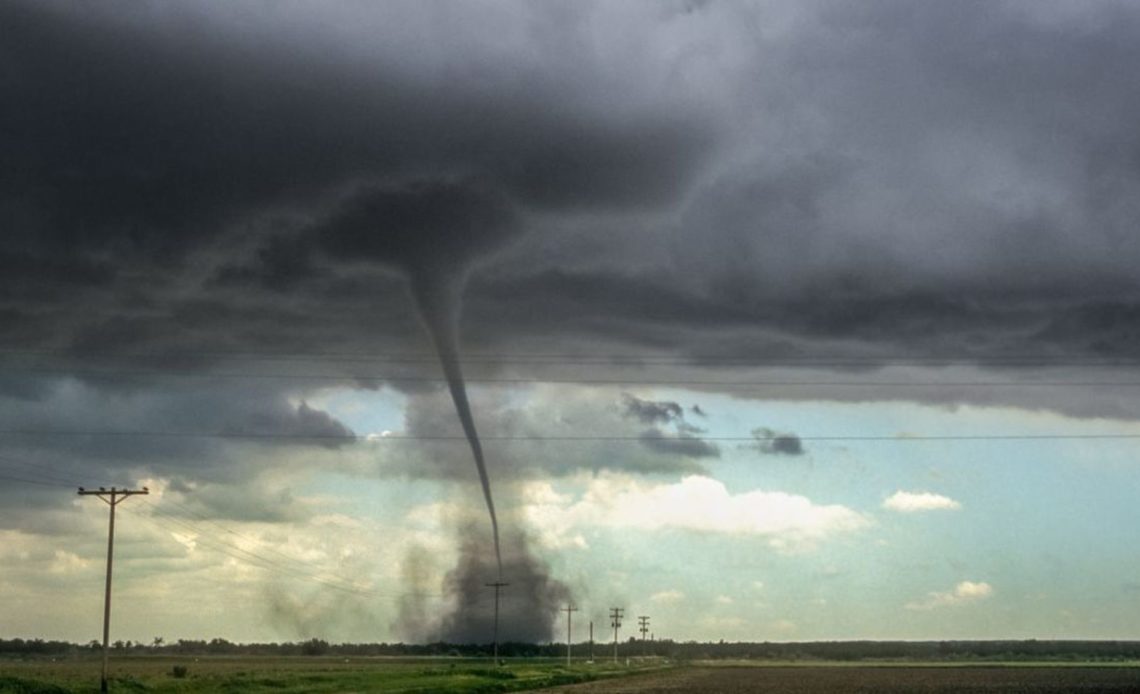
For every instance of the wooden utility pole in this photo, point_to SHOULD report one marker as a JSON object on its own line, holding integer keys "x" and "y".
{"x": 591, "y": 640}
{"x": 113, "y": 497}
{"x": 568, "y": 609}
{"x": 615, "y": 622}
{"x": 644, "y": 621}
{"x": 497, "y": 585}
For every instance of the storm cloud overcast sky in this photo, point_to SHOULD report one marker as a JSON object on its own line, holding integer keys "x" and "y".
{"x": 671, "y": 225}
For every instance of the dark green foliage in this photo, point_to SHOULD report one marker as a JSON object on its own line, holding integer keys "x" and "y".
{"x": 315, "y": 647}
{"x": 179, "y": 671}
{"x": 18, "y": 685}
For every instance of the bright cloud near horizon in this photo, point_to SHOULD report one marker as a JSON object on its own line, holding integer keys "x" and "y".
{"x": 912, "y": 502}
{"x": 778, "y": 320}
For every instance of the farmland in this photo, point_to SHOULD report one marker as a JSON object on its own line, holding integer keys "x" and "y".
{"x": 232, "y": 674}
{"x": 834, "y": 678}
{"x": 285, "y": 674}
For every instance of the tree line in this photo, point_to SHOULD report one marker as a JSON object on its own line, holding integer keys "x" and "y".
{"x": 1031, "y": 649}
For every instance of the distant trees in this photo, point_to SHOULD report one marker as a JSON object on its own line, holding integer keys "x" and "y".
{"x": 980, "y": 651}
{"x": 315, "y": 647}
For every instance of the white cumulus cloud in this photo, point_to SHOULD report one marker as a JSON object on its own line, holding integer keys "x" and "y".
{"x": 963, "y": 593}
{"x": 913, "y": 502}
{"x": 667, "y": 597}
{"x": 696, "y": 503}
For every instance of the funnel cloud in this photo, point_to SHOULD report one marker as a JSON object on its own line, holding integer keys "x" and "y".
{"x": 432, "y": 231}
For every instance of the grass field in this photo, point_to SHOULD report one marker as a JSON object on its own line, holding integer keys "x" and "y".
{"x": 233, "y": 675}
{"x": 285, "y": 675}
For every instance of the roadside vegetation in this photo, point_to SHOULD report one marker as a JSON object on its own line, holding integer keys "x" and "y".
{"x": 289, "y": 674}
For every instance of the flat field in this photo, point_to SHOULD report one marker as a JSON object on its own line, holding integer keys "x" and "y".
{"x": 875, "y": 679}
{"x": 288, "y": 675}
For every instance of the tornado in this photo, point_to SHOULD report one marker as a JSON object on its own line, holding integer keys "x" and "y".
{"x": 437, "y": 301}
{"x": 432, "y": 231}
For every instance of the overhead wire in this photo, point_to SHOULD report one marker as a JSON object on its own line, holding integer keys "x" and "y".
{"x": 249, "y": 556}
{"x": 734, "y": 385}
{"x": 256, "y": 436}
{"x": 173, "y": 523}
{"x": 25, "y": 468}
{"x": 617, "y": 358}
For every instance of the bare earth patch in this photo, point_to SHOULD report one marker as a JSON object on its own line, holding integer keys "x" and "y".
{"x": 868, "y": 680}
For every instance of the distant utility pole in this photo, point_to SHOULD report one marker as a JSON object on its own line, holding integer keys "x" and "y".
{"x": 644, "y": 621}
{"x": 568, "y": 609}
{"x": 497, "y": 585}
{"x": 615, "y": 622}
{"x": 591, "y": 640}
{"x": 113, "y": 497}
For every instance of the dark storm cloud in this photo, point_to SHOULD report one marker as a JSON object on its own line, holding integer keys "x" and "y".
{"x": 919, "y": 191}
{"x": 302, "y": 424}
{"x": 590, "y": 433}
{"x": 420, "y": 226}
{"x": 777, "y": 443}
{"x": 223, "y": 433}
{"x": 684, "y": 445}
{"x": 718, "y": 182}
{"x": 147, "y": 134}
{"x": 652, "y": 412}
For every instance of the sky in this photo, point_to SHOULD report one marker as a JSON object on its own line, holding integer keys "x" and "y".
{"x": 776, "y": 320}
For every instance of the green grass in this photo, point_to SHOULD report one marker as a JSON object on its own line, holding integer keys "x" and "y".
{"x": 289, "y": 675}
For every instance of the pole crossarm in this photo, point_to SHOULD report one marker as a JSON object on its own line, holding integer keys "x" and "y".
{"x": 112, "y": 496}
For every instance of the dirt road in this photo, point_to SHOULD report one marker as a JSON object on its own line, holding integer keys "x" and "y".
{"x": 869, "y": 680}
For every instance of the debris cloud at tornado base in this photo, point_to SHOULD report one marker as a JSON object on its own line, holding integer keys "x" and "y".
{"x": 528, "y": 606}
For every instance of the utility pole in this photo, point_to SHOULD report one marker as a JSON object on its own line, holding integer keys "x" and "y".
{"x": 644, "y": 621}
{"x": 615, "y": 622}
{"x": 568, "y": 609}
{"x": 497, "y": 585}
{"x": 591, "y": 640}
{"x": 113, "y": 497}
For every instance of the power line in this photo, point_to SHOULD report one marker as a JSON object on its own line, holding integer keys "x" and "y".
{"x": 202, "y": 518}
{"x": 265, "y": 563}
{"x": 735, "y": 385}
{"x": 250, "y": 558}
{"x": 32, "y": 474}
{"x": 474, "y": 357}
{"x": 25, "y": 468}
{"x": 164, "y": 518}
{"x": 555, "y": 438}
{"x": 54, "y": 485}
